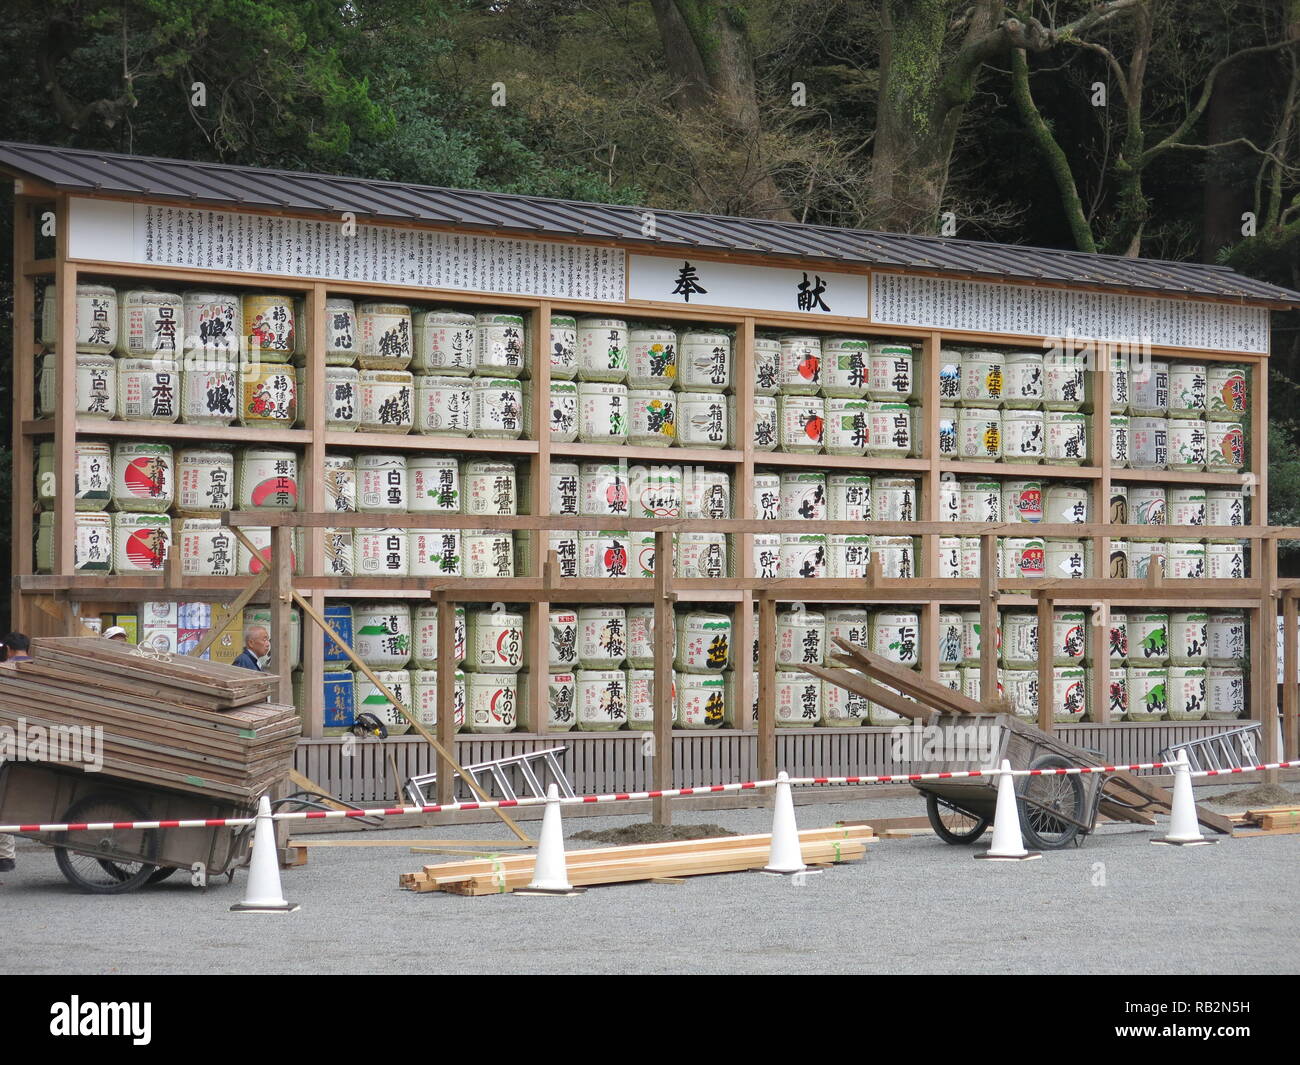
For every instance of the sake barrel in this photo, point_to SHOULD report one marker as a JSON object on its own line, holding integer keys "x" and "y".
{"x": 982, "y": 378}
{"x": 701, "y": 555}
{"x": 652, "y": 417}
{"x": 799, "y": 369}
{"x": 212, "y": 323}
{"x": 383, "y": 634}
{"x": 444, "y": 405}
{"x": 268, "y": 395}
{"x": 1187, "y": 390}
{"x": 1020, "y": 639}
{"x": 501, "y": 343}
{"x": 338, "y": 701}
{"x": 381, "y": 483}
{"x": 881, "y": 716}
{"x": 949, "y": 446}
{"x": 1185, "y": 560}
{"x": 209, "y": 391}
{"x": 92, "y": 543}
{"x": 1022, "y": 386}
{"x": 798, "y": 699}
{"x": 1022, "y": 501}
{"x": 1022, "y": 556}
{"x": 496, "y": 641}
{"x": 96, "y": 318}
{"x": 1020, "y": 686}
{"x": 1146, "y": 557}
{"x": 765, "y": 496}
{"x": 950, "y": 637}
{"x": 848, "y": 497}
{"x": 767, "y": 365}
{"x": 150, "y": 324}
{"x": 269, "y": 331}
{"x": 485, "y": 553}
{"x": 369, "y": 699}
{"x": 1185, "y": 506}
{"x": 602, "y": 412}
{"x": 1148, "y": 442}
{"x": 801, "y": 423}
{"x": 602, "y": 700}
{"x": 851, "y": 624}
{"x": 1187, "y": 442}
{"x": 1120, "y": 387}
{"x": 1065, "y": 558}
{"x": 701, "y": 419}
{"x": 889, "y": 373}
{"x": 434, "y": 552}
{"x": 706, "y": 493}
{"x": 602, "y": 349}
{"x": 897, "y": 555}
{"x": 562, "y": 412}
{"x": 1225, "y": 559}
{"x": 848, "y": 555}
{"x": 425, "y": 636}
{"x": 497, "y": 409}
{"x": 602, "y": 635}
{"x": 380, "y": 553}
{"x": 1063, "y": 382}
{"x": 1148, "y": 638}
{"x": 1225, "y": 693}
{"x": 895, "y": 635}
{"x": 566, "y": 493}
{"x": 148, "y": 390}
{"x": 1149, "y": 385}
{"x": 340, "y": 619}
{"x": 950, "y": 376}
{"x": 266, "y": 479}
{"x": 803, "y": 495}
{"x": 1226, "y": 638}
{"x": 434, "y": 483}
{"x": 492, "y": 702}
{"x": 803, "y": 554}
{"x": 94, "y": 476}
{"x": 1119, "y": 508}
{"x": 337, "y": 546}
{"x": 340, "y": 474}
{"x": 207, "y": 548}
{"x": 800, "y": 637}
{"x": 889, "y": 429}
{"x": 341, "y": 332}
{"x": 653, "y": 491}
{"x": 981, "y": 501}
{"x": 140, "y": 542}
{"x": 1117, "y": 696}
{"x": 1118, "y": 637}
{"x": 1148, "y": 504}
{"x": 1225, "y": 447}
{"x": 143, "y": 478}
{"x": 561, "y": 700}
{"x": 842, "y": 708}
{"x": 1227, "y": 392}
{"x": 1069, "y": 694}
{"x": 893, "y": 499}
{"x": 704, "y": 361}
{"x": 767, "y": 555}
{"x": 603, "y": 488}
{"x": 490, "y": 487}
{"x": 847, "y": 364}
{"x": 1120, "y": 441}
{"x": 701, "y": 701}
{"x": 424, "y": 696}
{"x": 640, "y": 630}
{"x": 384, "y": 336}
{"x": 1023, "y": 436}
{"x": 96, "y": 387}
{"x": 703, "y": 642}
{"x": 445, "y": 342}
{"x": 1067, "y": 438}
{"x": 1186, "y": 692}
{"x": 386, "y": 401}
{"x": 604, "y": 553}
{"x": 1069, "y": 636}
{"x": 1148, "y": 693}
{"x": 562, "y": 638}
{"x": 762, "y": 421}
{"x": 564, "y": 347}
{"x": 845, "y": 431}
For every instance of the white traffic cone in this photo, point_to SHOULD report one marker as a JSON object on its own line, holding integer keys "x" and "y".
{"x": 1008, "y": 845}
{"x": 785, "y": 857}
{"x": 1184, "y": 828}
{"x": 550, "y": 872}
{"x": 264, "y": 894}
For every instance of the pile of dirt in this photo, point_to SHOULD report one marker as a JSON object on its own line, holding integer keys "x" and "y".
{"x": 646, "y": 832}
{"x": 1254, "y": 798}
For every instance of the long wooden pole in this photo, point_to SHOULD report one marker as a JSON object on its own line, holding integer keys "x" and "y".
{"x": 665, "y": 644}
{"x": 219, "y": 624}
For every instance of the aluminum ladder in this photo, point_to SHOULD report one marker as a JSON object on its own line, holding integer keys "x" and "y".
{"x": 532, "y": 767}
{"x": 1230, "y": 749}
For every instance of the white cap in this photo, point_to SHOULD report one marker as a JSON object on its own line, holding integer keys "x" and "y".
{"x": 116, "y": 630}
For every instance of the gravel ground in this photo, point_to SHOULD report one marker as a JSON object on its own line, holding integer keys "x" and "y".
{"x": 913, "y": 906}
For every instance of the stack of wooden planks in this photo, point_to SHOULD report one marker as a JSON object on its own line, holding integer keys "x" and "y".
{"x": 651, "y": 861}
{"x": 1274, "y": 821}
{"x": 169, "y": 721}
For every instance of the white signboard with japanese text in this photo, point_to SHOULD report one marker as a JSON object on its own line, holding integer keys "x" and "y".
{"x": 235, "y": 241}
{"x": 692, "y": 281}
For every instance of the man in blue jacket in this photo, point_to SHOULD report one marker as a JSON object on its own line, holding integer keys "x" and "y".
{"x": 257, "y": 645}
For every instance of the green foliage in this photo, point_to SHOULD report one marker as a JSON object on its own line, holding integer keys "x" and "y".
{"x": 1284, "y": 487}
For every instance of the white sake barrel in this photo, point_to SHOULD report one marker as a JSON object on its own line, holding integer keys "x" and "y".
{"x": 1148, "y": 504}
{"x": 602, "y": 349}
{"x": 370, "y": 700}
{"x": 209, "y": 391}
{"x": 889, "y": 373}
{"x": 842, "y": 708}
{"x": 896, "y": 636}
{"x": 1067, "y": 438}
{"x": 803, "y": 495}
{"x": 604, "y": 554}
{"x": 269, "y": 332}
{"x": 970, "y": 636}
{"x": 800, "y": 423}
{"x": 1149, "y": 442}
{"x": 1020, "y": 639}
{"x": 602, "y": 412}
{"x": 889, "y": 429}
{"x": 380, "y": 553}
{"x": 207, "y": 548}
{"x": 881, "y": 716}
{"x": 706, "y": 494}
{"x": 803, "y": 555}
{"x": 565, "y": 491}
{"x": 562, "y": 412}
{"x": 434, "y": 552}
{"x": 96, "y": 320}
{"x": 893, "y": 499}
{"x": 762, "y": 421}
{"x": 485, "y": 553}
{"x": 341, "y": 332}
{"x": 143, "y": 476}
{"x": 382, "y": 634}
{"x": 950, "y": 376}
{"x": 602, "y": 700}
{"x": 561, "y": 698}
{"x": 848, "y": 555}
{"x": 798, "y": 699}
{"x": 1022, "y": 556}
{"x": 148, "y": 390}
{"x": 384, "y": 335}
{"x": 500, "y": 351}
{"x": 1120, "y": 441}
{"x": 848, "y": 497}
{"x": 96, "y": 387}
{"x": 851, "y": 624}
{"x": 1186, "y": 444}
{"x": 1117, "y": 696}
{"x": 1225, "y": 693}
{"x": 266, "y": 479}
{"x": 703, "y": 642}
{"x": 767, "y": 365}
{"x": 1119, "y": 508}
{"x": 767, "y": 555}
{"x": 640, "y": 630}
{"x": 268, "y": 394}
{"x": 653, "y": 491}
{"x": 701, "y": 701}
{"x": 140, "y": 542}
{"x": 381, "y": 483}
{"x": 1185, "y": 560}
{"x": 848, "y": 363}
{"x": 845, "y": 430}
{"x": 1225, "y": 447}
{"x": 444, "y": 405}
{"x": 495, "y": 641}
{"x": 951, "y": 679}
{"x": 340, "y": 473}
{"x": 1148, "y": 638}
{"x": 704, "y": 361}
{"x": 701, "y": 419}
{"x": 1226, "y": 639}
{"x": 971, "y": 557}
{"x": 949, "y": 441}
{"x": 1188, "y": 637}
{"x": 799, "y": 370}
{"x": 1063, "y": 381}
{"x": 800, "y": 637}
{"x": 1227, "y": 392}
{"x": 1225, "y": 560}
{"x": 602, "y": 637}
{"x": 94, "y": 477}
{"x": 92, "y": 544}
{"x": 949, "y": 557}
{"x": 1066, "y": 504}
{"x": 1148, "y": 693}
{"x": 981, "y": 501}
{"x": 1185, "y": 506}
{"x": 424, "y": 695}
{"x": 337, "y": 545}
{"x": 445, "y": 342}
{"x": 1146, "y": 557}
{"x": 497, "y": 409}
{"x": 1020, "y": 687}
{"x": 212, "y": 323}
{"x": 1118, "y": 638}
{"x": 425, "y": 636}
{"x": 562, "y": 637}
{"x": 490, "y": 486}
{"x": 1022, "y": 501}
{"x": 1023, "y": 436}
{"x": 1120, "y": 375}
{"x": 1069, "y": 694}
{"x": 1187, "y": 390}
{"x": 702, "y": 555}
{"x": 1149, "y": 385}
{"x": 603, "y": 488}
{"x": 765, "y": 496}
{"x": 982, "y": 378}
{"x": 1065, "y": 558}
{"x": 150, "y": 324}
{"x": 1069, "y": 636}
{"x": 434, "y": 484}
{"x": 492, "y": 702}
{"x": 386, "y": 401}
{"x": 1022, "y": 384}
{"x": 897, "y": 555}
{"x": 1225, "y": 506}
{"x": 652, "y": 417}
{"x": 342, "y": 398}
{"x": 564, "y": 347}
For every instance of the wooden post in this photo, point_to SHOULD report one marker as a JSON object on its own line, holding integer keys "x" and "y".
{"x": 65, "y": 416}
{"x": 536, "y": 714}
{"x": 1046, "y": 654}
{"x": 989, "y": 617}
{"x": 281, "y": 567}
{"x": 742, "y": 662}
{"x": 24, "y": 400}
{"x": 1263, "y": 687}
{"x": 766, "y": 688}
{"x": 1290, "y": 678}
{"x": 446, "y": 726}
{"x": 1103, "y": 458}
{"x": 665, "y": 646}
{"x": 1100, "y": 652}
{"x": 311, "y": 475}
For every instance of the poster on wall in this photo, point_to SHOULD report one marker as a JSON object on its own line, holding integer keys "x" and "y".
{"x": 692, "y": 282}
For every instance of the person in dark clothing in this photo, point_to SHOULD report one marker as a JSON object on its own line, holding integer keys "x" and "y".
{"x": 257, "y": 645}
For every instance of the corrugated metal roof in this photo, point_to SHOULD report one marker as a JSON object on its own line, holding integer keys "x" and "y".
{"x": 74, "y": 170}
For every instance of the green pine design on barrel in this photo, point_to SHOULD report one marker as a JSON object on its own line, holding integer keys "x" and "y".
{"x": 1156, "y": 699}
{"x": 1155, "y": 643}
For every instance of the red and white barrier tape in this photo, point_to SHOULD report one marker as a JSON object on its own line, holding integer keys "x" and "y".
{"x": 587, "y": 800}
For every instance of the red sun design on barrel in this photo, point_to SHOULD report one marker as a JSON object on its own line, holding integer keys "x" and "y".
{"x": 147, "y": 549}
{"x": 146, "y": 477}
{"x": 810, "y": 367}
{"x": 814, "y": 427}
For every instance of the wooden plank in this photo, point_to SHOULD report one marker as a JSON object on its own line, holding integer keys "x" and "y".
{"x": 445, "y": 785}
{"x": 1135, "y": 790}
{"x": 281, "y": 567}
{"x": 65, "y": 420}
{"x": 909, "y": 682}
{"x": 862, "y": 686}
{"x": 1046, "y": 655}
{"x": 767, "y": 761}
{"x": 22, "y": 482}
{"x": 988, "y": 618}
{"x": 665, "y": 646}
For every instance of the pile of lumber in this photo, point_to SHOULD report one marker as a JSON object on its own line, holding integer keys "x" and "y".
{"x": 1274, "y": 821}
{"x": 651, "y": 861}
{"x": 168, "y": 721}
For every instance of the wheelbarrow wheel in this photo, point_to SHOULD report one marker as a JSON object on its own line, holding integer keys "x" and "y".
{"x": 953, "y": 825}
{"x": 104, "y": 876}
{"x": 1051, "y": 807}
